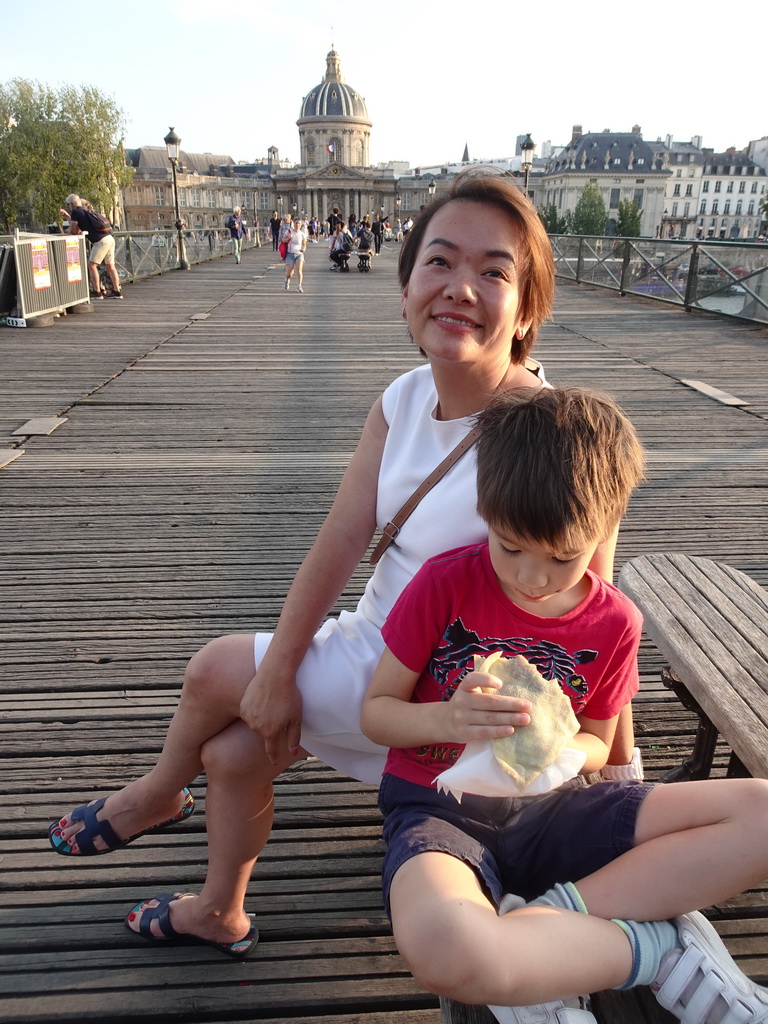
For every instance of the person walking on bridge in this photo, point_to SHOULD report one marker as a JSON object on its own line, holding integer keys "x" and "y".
{"x": 236, "y": 232}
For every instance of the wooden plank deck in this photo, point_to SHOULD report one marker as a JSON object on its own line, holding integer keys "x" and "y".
{"x": 197, "y": 461}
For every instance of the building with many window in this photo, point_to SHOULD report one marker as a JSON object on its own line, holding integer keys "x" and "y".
{"x": 732, "y": 187}
{"x": 681, "y": 199}
{"x": 210, "y": 186}
{"x": 681, "y": 189}
{"x": 621, "y": 164}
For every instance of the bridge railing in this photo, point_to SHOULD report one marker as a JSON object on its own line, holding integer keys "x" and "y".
{"x": 722, "y": 277}
{"x": 145, "y": 253}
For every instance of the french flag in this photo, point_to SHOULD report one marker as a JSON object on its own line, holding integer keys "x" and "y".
{"x": 331, "y": 148}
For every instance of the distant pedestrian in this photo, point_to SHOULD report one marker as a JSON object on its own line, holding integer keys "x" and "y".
{"x": 236, "y": 232}
{"x": 84, "y": 219}
{"x": 334, "y": 219}
{"x": 296, "y": 239}
{"x": 378, "y": 233}
{"x": 274, "y": 227}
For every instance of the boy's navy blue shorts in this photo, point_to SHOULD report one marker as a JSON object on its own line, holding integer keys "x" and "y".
{"x": 522, "y": 845}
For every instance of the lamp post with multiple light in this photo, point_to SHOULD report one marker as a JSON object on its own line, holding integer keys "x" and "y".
{"x": 173, "y": 145}
{"x": 526, "y": 148}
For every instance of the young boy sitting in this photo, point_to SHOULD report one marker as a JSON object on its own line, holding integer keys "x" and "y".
{"x": 612, "y": 871}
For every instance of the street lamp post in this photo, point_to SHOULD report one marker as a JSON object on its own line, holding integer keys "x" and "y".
{"x": 526, "y": 148}
{"x": 432, "y": 189}
{"x": 173, "y": 145}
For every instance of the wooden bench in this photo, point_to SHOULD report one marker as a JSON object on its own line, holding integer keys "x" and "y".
{"x": 710, "y": 623}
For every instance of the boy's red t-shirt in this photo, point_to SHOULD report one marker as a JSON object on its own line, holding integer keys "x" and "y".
{"x": 455, "y": 608}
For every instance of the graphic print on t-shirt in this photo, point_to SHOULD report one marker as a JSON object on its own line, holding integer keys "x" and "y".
{"x": 454, "y": 657}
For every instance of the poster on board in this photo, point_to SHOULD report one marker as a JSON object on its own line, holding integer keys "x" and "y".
{"x": 41, "y": 270}
{"x": 74, "y": 266}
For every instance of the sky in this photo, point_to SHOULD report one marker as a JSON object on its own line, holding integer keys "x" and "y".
{"x": 435, "y": 76}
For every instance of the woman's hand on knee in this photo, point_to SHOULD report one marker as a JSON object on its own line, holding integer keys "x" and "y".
{"x": 274, "y": 713}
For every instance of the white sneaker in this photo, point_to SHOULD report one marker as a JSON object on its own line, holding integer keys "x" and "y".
{"x": 287, "y": 285}
{"x": 701, "y": 984}
{"x": 300, "y": 289}
{"x": 559, "y": 1011}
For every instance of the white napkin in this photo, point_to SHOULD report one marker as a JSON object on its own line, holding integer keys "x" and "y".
{"x": 478, "y": 772}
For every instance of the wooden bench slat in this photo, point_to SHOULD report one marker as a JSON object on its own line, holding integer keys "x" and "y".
{"x": 711, "y": 624}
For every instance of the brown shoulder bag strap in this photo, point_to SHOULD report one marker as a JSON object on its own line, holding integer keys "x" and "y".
{"x": 394, "y": 526}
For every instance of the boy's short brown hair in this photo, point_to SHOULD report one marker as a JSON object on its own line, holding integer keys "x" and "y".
{"x": 556, "y": 466}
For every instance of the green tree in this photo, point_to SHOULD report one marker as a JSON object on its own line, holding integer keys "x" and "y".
{"x": 630, "y": 217}
{"x": 53, "y": 142}
{"x": 551, "y": 219}
{"x": 589, "y": 217}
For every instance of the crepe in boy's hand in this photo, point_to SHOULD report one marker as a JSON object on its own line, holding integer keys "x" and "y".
{"x": 533, "y": 747}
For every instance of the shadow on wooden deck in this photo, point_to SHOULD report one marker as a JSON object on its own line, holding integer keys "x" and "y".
{"x": 209, "y": 417}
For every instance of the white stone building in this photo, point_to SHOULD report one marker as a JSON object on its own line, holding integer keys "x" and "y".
{"x": 621, "y": 164}
{"x": 732, "y": 187}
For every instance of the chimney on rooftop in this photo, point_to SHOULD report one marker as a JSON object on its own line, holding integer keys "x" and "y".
{"x": 576, "y": 133}
{"x": 636, "y": 129}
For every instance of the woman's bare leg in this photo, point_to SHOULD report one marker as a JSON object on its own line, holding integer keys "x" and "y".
{"x": 215, "y": 681}
{"x": 239, "y": 805}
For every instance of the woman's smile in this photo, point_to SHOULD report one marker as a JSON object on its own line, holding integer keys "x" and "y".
{"x": 462, "y": 301}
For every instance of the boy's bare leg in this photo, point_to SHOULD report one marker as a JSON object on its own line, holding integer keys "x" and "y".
{"x": 215, "y": 681}
{"x": 697, "y": 843}
{"x": 525, "y": 957}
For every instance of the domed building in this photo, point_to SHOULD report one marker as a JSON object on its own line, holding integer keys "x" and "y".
{"x": 334, "y": 169}
{"x": 334, "y": 126}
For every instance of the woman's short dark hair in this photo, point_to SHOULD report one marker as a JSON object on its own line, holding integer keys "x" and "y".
{"x": 535, "y": 266}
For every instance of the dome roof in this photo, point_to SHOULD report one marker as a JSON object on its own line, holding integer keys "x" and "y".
{"x": 333, "y": 98}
